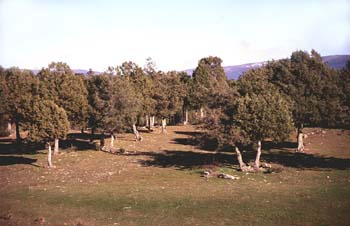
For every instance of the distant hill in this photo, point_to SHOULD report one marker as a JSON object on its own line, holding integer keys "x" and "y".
{"x": 233, "y": 72}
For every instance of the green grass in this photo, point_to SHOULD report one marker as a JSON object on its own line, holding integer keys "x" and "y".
{"x": 96, "y": 188}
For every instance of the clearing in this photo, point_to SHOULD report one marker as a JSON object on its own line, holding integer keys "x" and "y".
{"x": 158, "y": 182}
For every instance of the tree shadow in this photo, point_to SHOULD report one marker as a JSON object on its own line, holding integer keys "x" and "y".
{"x": 189, "y": 133}
{"x": 189, "y": 159}
{"x": 14, "y": 160}
{"x": 289, "y": 158}
{"x": 200, "y": 140}
{"x": 184, "y": 159}
{"x": 11, "y": 147}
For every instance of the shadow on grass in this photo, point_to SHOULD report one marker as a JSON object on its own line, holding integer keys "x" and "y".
{"x": 11, "y": 147}
{"x": 14, "y": 160}
{"x": 191, "y": 160}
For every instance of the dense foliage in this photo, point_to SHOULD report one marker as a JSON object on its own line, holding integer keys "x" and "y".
{"x": 263, "y": 103}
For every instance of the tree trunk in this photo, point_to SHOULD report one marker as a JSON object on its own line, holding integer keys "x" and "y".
{"x": 18, "y": 135}
{"x": 242, "y": 165}
{"x": 147, "y": 121}
{"x": 186, "y": 117}
{"x": 112, "y": 143}
{"x": 92, "y": 135}
{"x": 56, "y": 148}
{"x": 102, "y": 142}
{"x": 138, "y": 137}
{"x": 164, "y": 125}
{"x": 257, "y": 159}
{"x": 9, "y": 127}
{"x": 82, "y": 131}
{"x": 202, "y": 112}
{"x": 49, "y": 161}
{"x": 151, "y": 123}
{"x": 300, "y": 141}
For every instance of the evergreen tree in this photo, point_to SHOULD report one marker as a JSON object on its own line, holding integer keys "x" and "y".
{"x": 17, "y": 93}
{"x": 249, "y": 119}
{"x": 344, "y": 88}
{"x": 209, "y": 77}
{"x": 313, "y": 88}
{"x": 169, "y": 96}
{"x": 60, "y": 85}
{"x": 46, "y": 122}
{"x": 99, "y": 89}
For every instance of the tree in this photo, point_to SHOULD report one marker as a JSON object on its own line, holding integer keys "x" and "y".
{"x": 126, "y": 106}
{"x": 169, "y": 96}
{"x": 133, "y": 88}
{"x": 310, "y": 84}
{"x": 344, "y": 85}
{"x": 17, "y": 93}
{"x": 4, "y": 116}
{"x": 250, "y": 119}
{"x": 60, "y": 85}
{"x": 99, "y": 89}
{"x": 186, "y": 83}
{"x": 209, "y": 77}
{"x": 46, "y": 123}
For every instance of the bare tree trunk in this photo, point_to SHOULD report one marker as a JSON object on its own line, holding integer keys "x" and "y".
{"x": 56, "y": 147}
{"x": 9, "y": 127}
{"x": 112, "y": 143}
{"x": 151, "y": 122}
{"x": 186, "y": 117}
{"x": 164, "y": 125}
{"x": 257, "y": 159}
{"x": 300, "y": 141}
{"x": 138, "y": 137}
{"x": 147, "y": 121}
{"x": 242, "y": 165}
{"x": 49, "y": 161}
{"x": 92, "y": 135}
{"x": 202, "y": 112}
{"x": 82, "y": 131}
{"x": 18, "y": 135}
{"x": 102, "y": 142}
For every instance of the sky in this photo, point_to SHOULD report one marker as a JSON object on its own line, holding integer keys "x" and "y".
{"x": 175, "y": 34}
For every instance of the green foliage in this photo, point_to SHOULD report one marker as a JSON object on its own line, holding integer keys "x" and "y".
{"x": 16, "y": 91}
{"x": 47, "y": 121}
{"x": 170, "y": 94}
{"x": 59, "y": 84}
{"x": 344, "y": 88}
{"x": 208, "y": 78}
{"x": 99, "y": 89}
{"x": 126, "y": 104}
{"x": 313, "y": 87}
{"x": 254, "y": 110}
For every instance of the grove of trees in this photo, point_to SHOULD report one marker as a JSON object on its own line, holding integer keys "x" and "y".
{"x": 265, "y": 103}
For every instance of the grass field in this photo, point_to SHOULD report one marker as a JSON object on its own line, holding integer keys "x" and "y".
{"x": 158, "y": 182}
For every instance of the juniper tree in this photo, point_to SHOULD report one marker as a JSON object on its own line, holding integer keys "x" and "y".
{"x": 169, "y": 96}
{"x": 99, "y": 89}
{"x": 4, "y": 115}
{"x": 250, "y": 119}
{"x": 311, "y": 85}
{"x": 209, "y": 77}
{"x": 16, "y": 94}
{"x": 46, "y": 122}
{"x": 126, "y": 106}
{"x": 132, "y": 85}
{"x": 60, "y": 85}
{"x": 185, "y": 80}
{"x": 344, "y": 86}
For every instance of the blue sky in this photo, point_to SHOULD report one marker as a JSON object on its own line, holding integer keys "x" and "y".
{"x": 176, "y": 34}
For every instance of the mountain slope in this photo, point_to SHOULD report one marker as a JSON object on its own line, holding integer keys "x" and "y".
{"x": 233, "y": 72}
